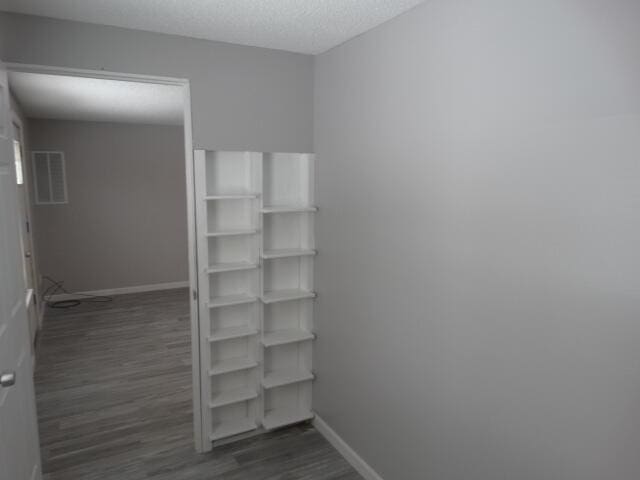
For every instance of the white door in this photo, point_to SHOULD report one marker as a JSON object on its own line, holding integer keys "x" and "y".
{"x": 19, "y": 448}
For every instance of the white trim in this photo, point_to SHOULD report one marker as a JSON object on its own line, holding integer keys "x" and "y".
{"x": 40, "y": 304}
{"x": 120, "y": 291}
{"x": 200, "y": 443}
{"x": 26, "y": 185}
{"x": 35, "y": 473}
{"x": 86, "y": 73}
{"x": 349, "y": 454}
{"x": 29, "y": 298}
{"x": 15, "y": 118}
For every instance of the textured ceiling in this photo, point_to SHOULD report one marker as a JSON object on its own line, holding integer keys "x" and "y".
{"x": 306, "y": 26}
{"x": 89, "y": 99}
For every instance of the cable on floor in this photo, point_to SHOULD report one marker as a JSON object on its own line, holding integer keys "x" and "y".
{"x": 56, "y": 287}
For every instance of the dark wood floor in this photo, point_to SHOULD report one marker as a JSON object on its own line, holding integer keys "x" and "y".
{"x": 113, "y": 386}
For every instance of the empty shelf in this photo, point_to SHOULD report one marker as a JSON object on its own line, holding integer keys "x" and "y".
{"x": 282, "y": 337}
{"x": 280, "y": 378}
{"x": 228, "y": 333}
{"x": 280, "y": 417}
{"x": 287, "y": 252}
{"x": 286, "y": 295}
{"x": 228, "y": 300}
{"x": 236, "y": 395}
{"x": 229, "y": 428}
{"x": 229, "y": 233}
{"x": 232, "y": 196}
{"x": 288, "y": 208}
{"x": 231, "y": 267}
{"x": 232, "y": 365}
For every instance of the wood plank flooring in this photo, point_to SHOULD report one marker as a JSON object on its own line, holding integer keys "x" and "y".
{"x": 113, "y": 388}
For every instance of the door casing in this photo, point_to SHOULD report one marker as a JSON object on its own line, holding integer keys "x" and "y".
{"x": 201, "y": 444}
{"x": 19, "y": 442}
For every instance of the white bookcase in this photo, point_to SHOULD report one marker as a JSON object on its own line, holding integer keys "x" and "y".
{"x": 255, "y": 224}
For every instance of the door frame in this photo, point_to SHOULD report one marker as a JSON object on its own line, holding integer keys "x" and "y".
{"x": 26, "y": 185}
{"x": 200, "y": 442}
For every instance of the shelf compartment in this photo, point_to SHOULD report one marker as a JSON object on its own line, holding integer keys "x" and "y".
{"x": 281, "y": 417}
{"x": 229, "y": 428}
{"x": 289, "y": 209}
{"x": 283, "y": 337}
{"x": 288, "y": 232}
{"x": 234, "y": 214}
{"x": 232, "y": 233}
{"x": 227, "y": 333}
{"x": 236, "y": 395}
{"x": 287, "y": 179}
{"x": 232, "y": 365}
{"x": 280, "y": 378}
{"x": 223, "y": 321}
{"x": 287, "y": 253}
{"x": 231, "y": 267}
{"x": 230, "y": 300}
{"x": 286, "y": 295}
{"x": 231, "y": 173}
{"x": 231, "y": 250}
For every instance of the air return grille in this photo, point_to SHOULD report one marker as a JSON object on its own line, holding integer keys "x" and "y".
{"x": 50, "y": 179}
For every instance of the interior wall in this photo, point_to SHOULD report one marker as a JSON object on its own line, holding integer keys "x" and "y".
{"x": 3, "y": 30}
{"x": 125, "y": 224}
{"x": 243, "y": 98}
{"x": 479, "y": 223}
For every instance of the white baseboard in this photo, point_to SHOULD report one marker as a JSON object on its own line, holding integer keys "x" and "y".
{"x": 121, "y": 291}
{"x": 35, "y": 473}
{"x": 356, "y": 461}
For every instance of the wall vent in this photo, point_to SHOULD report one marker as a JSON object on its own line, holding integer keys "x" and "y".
{"x": 50, "y": 178}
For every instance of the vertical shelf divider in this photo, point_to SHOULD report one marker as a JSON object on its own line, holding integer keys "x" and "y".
{"x": 203, "y": 287}
{"x": 257, "y": 185}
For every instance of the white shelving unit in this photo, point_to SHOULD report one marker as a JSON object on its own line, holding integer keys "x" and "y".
{"x": 255, "y": 223}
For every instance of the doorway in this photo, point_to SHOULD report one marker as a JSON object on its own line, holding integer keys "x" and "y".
{"x": 28, "y": 165}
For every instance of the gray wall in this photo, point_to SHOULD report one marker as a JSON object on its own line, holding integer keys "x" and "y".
{"x": 3, "y": 34}
{"x": 242, "y": 97}
{"x": 125, "y": 223}
{"x": 478, "y": 309}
